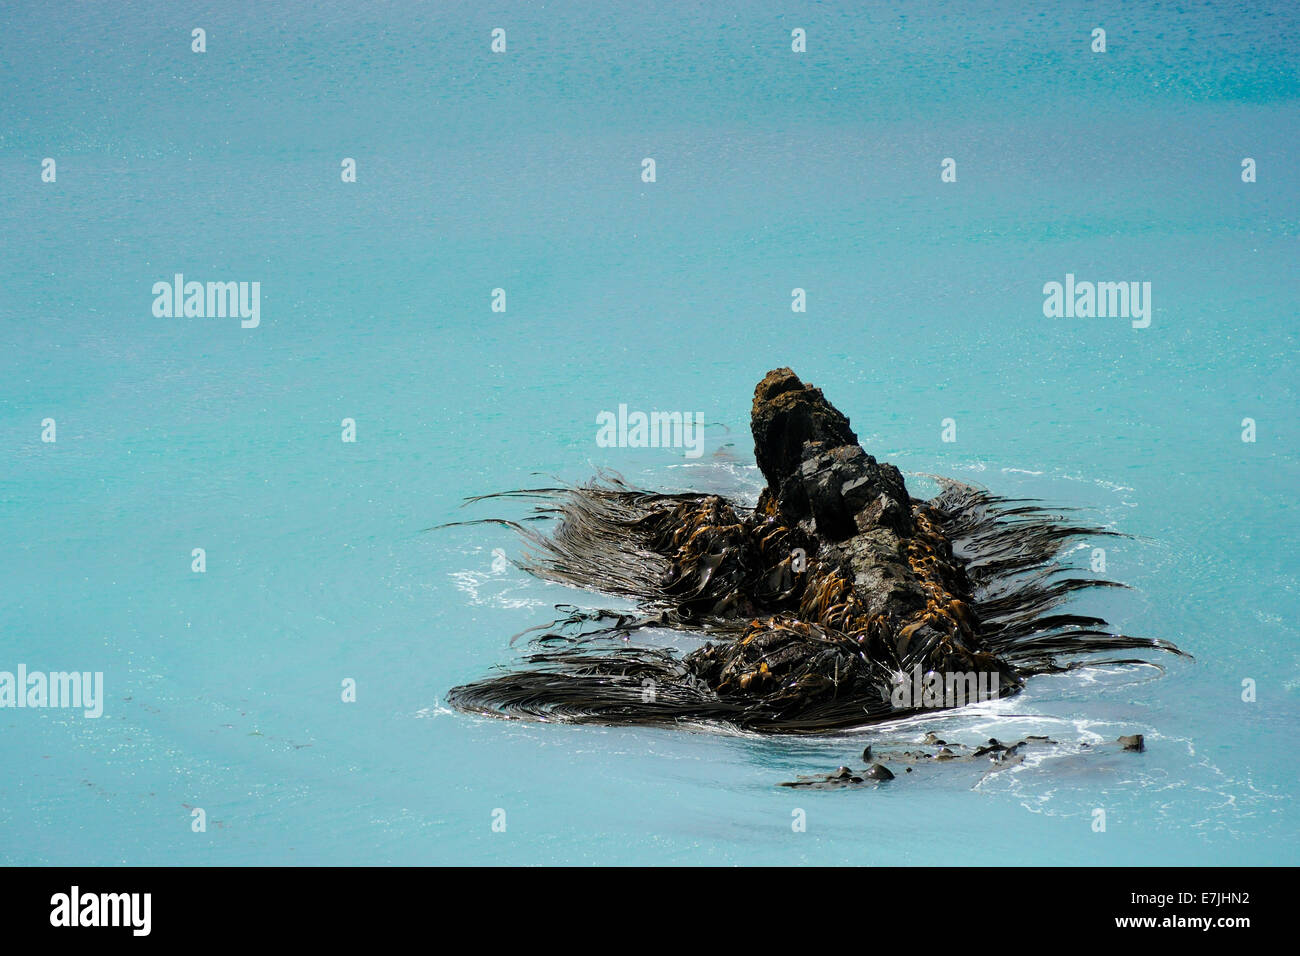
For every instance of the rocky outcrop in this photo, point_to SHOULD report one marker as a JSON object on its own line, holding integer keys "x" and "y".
{"x": 864, "y": 522}
{"x": 820, "y": 480}
{"x": 815, "y": 468}
{"x": 837, "y": 600}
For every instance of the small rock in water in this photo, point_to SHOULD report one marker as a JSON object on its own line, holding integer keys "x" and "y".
{"x": 878, "y": 772}
{"x": 866, "y": 754}
{"x": 1133, "y": 743}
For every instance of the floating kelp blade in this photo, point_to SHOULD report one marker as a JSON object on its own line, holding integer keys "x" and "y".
{"x": 838, "y": 601}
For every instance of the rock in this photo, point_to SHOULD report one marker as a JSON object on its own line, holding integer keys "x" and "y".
{"x": 819, "y": 474}
{"x": 822, "y": 598}
{"x": 841, "y": 778}
{"x": 787, "y": 414}
{"x": 1133, "y": 743}
{"x": 866, "y": 754}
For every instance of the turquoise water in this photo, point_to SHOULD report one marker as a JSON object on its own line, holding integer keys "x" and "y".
{"x": 522, "y": 171}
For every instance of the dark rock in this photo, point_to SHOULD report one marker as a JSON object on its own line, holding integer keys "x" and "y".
{"x": 866, "y": 754}
{"x": 786, "y": 415}
{"x": 884, "y": 585}
{"x": 878, "y": 772}
{"x": 1133, "y": 743}
{"x": 821, "y": 477}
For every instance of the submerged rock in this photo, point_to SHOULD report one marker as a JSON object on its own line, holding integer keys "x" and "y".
{"x": 843, "y": 777}
{"x": 986, "y": 759}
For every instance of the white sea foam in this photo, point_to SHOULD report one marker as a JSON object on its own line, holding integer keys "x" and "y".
{"x": 502, "y": 585}
{"x": 437, "y": 710}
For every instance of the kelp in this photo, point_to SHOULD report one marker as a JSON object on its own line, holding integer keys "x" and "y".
{"x": 794, "y": 638}
{"x": 788, "y": 650}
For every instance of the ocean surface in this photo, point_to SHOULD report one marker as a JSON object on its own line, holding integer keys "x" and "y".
{"x": 522, "y": 170}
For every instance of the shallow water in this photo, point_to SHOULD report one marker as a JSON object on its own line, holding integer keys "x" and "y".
{"x": 521, "y": 171}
